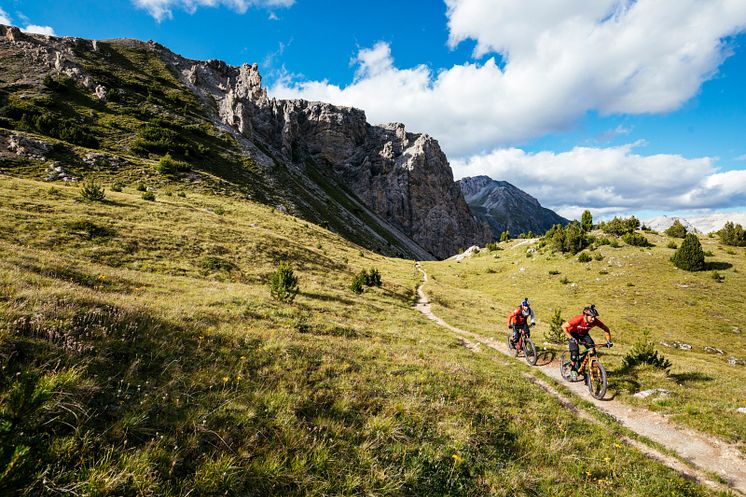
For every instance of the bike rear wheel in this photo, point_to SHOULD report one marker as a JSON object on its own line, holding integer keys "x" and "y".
{"x": 529, "y": 350}
{"x": 565, "y": 365}
{"x": 511, "y": 345}
{"x": 597, "y": 379}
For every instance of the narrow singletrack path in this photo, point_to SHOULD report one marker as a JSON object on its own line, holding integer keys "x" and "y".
{"x": 706, "y": 454}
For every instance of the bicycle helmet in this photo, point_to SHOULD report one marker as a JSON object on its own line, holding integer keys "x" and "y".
{"x": 590, "y": 311}
{"x": 525, "y": 303}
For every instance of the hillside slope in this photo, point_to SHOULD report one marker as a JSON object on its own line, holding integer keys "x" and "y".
{"x": 112, "y": 108}
{"x": 142, "y": 355}
{"x": 696, "y": 320}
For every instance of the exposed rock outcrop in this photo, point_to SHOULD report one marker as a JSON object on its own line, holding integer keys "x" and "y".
{"x": 402, "y": 177}
{"x": 504, "y": 207}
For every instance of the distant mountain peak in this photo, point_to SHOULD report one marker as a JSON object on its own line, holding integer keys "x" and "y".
{"x": 504, "y": 206}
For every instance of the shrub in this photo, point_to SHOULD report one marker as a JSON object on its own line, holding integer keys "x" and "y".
{"x": 366, "y": 278}
{"x": 586, "y": 221}
{"x": 676, "y": 230}
{"x": 167, "y": 165}
{"x": 603, "y": 272}
{"x": 141, "y": 187}
{"x": 732, "y": 234}
{"x": 672, "y": 245}
{"x": 181, "y": 194}
{"x": 620, "y": 226}
{"x": 505, "y": 236}
{"x": 718, "y": 277}
{"x": 493, "y": 246}
{"x": 283, "y": 284}
{"x": 358, "y": 282}
{"x": 555, "y": 333}
{"x": 92, "y": 191}
{"x": 689, "y": 256}
{"x": 568, "y": 239}
{"x": 564, "y": 280}
{"x": 708, "y": 253}
{"x": 643, "y": 352}
{"x": 117, "y": 187}
{"x": 554, "y": 272}
{"x": 149, "y": 196}
{"x": 584, "y": 257}
{"x": 598, "y": 257}
{"x": 373, "y": 278}
{"x": 636, "y": 239}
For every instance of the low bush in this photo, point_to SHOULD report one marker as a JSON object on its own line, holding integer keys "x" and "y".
{"x": 643, "y": 352}
{"x": 149, "y": 196}
{"x": 92, "y": 191}
{"x": 553, "y": 272}
{"x": 117, "y": 187}
{"x": 636, "y": 239}
{"x": 584, "y": 257}
{"x": 214, "y": 263}
{"x": 167, "y": 165}
{"x": 283, "y": 284}
{"x": 672, "y": 245}
{"x": 718, "y": 277}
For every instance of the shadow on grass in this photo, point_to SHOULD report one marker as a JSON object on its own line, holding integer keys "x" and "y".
{"x": 691, "y": 376}
{"x": 327, "y": 298}
{"x": 714, "y": 266}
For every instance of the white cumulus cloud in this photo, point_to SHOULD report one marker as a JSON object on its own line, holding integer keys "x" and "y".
{"x": 612, "y": 180}
{"x": 41, "y": 30}
{"x": 163, "y": 9}
{"x": 4, "y": 18}
{"x": 558, "y": 60}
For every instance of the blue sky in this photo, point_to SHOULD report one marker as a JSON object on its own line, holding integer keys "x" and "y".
{"x": 619, "y": 106}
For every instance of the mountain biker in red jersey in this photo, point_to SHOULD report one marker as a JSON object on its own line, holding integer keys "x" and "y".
{"x": 518, "y": 319}
{"x": 577, "y": 331}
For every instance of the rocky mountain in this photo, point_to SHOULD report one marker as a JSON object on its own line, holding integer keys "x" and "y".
{"x": 662, "y": 223}
{"x": 131, "y": 102}
{"x": 503, "y": 207}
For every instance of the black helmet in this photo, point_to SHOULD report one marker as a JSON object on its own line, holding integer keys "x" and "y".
{"x": 590, "y": 311}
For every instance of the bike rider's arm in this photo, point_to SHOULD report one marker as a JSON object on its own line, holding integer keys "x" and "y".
{"x": 533, "y": 316}
{"x": 566, "y": 329}
{"x": 607, "y": 331}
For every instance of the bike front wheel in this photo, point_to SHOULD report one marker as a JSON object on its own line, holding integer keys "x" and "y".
{"x": 597, "y": 379}
{"x": 565, "y": 365}
{"x": 529, "y": 350}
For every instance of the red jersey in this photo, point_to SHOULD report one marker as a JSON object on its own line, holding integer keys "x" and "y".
{"x": 517, "y": 316}
{"x": 578, "y": 325}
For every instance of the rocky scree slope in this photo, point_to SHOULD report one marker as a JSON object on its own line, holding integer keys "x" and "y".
{"x": 380, "y": 186}
{"x": 506, "y": 208}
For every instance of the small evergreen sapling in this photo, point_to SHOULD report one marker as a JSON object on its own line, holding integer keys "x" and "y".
{"x": 283, "y": 284}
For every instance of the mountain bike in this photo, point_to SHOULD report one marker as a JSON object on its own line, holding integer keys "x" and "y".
{"x": 590, "y": 367}
{"x": 525, "y": 345}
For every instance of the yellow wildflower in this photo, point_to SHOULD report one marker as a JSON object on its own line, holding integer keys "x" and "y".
{"x": 225, "y": 379}
{"x": 607, "y": 459}
{"x": 456, "y": 458}
{"x": 618, "y": 445}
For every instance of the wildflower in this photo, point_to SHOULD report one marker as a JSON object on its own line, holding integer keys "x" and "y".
{"x": 456, "y": 458}
{"x": 243, "y": 357}
{"x": 238, "y": 378}
{"x": 587, "y": 473}
{"x": 607, "y": 460}
{"x": 618, "y": 445}
{"x": 225, "y": 379}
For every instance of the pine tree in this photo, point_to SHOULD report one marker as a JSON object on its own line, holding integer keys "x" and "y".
{"x": 689, "y": 256}
{"x": 586, "y": 221}
{"x": 677, "y": 230}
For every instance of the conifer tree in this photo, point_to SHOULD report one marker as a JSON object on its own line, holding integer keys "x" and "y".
{"x": 689, "y": 256}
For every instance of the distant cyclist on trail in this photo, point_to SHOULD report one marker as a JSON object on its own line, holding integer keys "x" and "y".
{"x": 577, "y": 331}
{"x": 519, "y": 320}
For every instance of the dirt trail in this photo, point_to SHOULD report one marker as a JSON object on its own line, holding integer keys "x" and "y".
{"x": 703, "y": 452}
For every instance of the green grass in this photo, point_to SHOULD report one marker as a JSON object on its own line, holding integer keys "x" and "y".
{"x": 143, "y": 355}
{"x": 636, "y": 291}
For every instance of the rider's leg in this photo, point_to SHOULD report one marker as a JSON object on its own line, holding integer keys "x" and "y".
{"x": 574, "y": 352}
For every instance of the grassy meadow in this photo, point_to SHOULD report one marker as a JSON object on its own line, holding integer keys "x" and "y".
{"x": 142, "y": 355}
{"x": 639, "y": 294}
